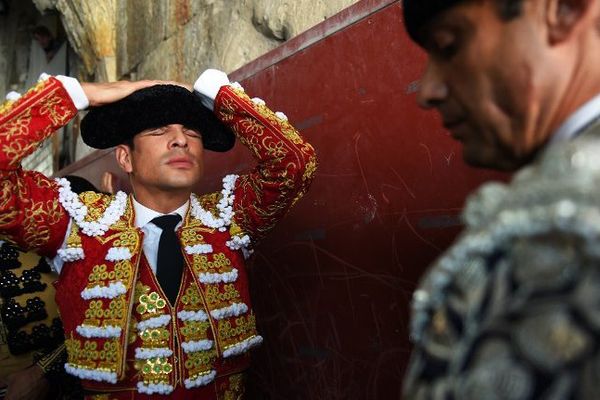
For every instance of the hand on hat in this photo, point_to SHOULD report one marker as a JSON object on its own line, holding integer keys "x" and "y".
{"x": 101, "y": 93}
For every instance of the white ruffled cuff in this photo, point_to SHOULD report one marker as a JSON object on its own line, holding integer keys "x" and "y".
{"x": 75, "y": 91}
{"x": 208, "y": 85}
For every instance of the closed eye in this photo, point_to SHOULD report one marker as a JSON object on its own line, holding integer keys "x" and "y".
{"x": 192, "y": 133}
{"x": 155, "y": 132}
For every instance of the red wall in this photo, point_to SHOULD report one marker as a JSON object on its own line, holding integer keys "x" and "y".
{"x": 333, "y": 282}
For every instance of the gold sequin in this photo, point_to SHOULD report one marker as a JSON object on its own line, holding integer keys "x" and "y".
{"x": 231, "y": 330}
{"x": 151, "y": 303}
{"x": 217, "y": 298}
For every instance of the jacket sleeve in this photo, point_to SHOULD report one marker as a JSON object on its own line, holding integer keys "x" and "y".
{"x": 30, "y": 213}
{"x": 286, "y": 163}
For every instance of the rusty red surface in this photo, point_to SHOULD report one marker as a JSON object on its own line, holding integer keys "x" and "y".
{"x": 333, "y": 282}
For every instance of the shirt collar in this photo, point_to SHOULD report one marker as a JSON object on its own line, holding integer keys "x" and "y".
{"x": 578, "y": 120}
{"x": 143, "y": 214}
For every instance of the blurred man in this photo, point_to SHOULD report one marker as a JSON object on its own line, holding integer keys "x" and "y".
{"x": 511, "y": 310}
{"x": 47, "y": 42}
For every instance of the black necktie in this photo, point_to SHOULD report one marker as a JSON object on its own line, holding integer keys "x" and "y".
{"x": 170, "y": 259}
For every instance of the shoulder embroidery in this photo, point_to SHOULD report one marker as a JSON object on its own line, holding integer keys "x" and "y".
{"x": 224, "y": 206}
{"x": 79, "y": 211}
{"x": 239, "y": 240}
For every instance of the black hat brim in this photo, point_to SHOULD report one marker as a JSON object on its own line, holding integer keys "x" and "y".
{"x": 153, "y": 107}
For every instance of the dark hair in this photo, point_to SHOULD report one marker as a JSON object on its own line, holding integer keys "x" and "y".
{"x": 129, "y": 143}
{"x": 419, "y": 13}
{"x": 41, "y": 30}
{"x": 79, "y": 184}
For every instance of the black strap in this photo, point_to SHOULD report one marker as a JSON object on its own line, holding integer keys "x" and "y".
{"x": 170, "y": 259}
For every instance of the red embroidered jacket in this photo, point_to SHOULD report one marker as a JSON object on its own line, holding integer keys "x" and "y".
{"x": 118, "y": 326}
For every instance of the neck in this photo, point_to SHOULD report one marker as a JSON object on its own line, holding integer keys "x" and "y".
{"x": 161, "y": 201}
{"x": 583, "y": 84}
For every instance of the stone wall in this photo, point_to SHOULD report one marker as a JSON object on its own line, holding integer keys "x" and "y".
{"x": 176, "y": 39}
{"x": 14, "y": 44}
{"x": 149, "y": 39}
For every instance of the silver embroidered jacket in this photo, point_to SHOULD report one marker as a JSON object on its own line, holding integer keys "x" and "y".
{"x": 512, "y": 309}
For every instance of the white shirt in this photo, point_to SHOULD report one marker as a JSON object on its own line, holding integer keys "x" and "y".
{"x": 577, "y": 121}
{"x": 143, "y": 216}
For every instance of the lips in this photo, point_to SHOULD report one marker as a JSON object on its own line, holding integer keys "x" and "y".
{"x": 181, "y": 162}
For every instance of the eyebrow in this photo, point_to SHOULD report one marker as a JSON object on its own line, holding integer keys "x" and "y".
{"x": 446, "y": 21}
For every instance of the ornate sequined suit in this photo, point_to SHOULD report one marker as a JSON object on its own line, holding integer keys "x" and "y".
{"x": 121, "y": 333}
{"x": 512, "y": 310}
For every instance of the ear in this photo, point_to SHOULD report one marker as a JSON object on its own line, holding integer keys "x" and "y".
{"x": 123, "y": 155}
{"x": 563, "y": 16}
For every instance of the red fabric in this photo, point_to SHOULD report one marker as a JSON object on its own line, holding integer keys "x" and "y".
{"x": 30, "y": 214}
{"x": 286, "y": 162}
{"x": 223, "y": 388}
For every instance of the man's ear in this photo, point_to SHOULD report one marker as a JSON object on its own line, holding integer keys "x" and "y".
{"x": 563, "y": 16}
{"x": 123, "y": 155}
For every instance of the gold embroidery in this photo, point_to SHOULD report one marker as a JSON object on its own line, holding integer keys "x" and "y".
{"x": 232, "y": 390}
{"x": 200, "y": 362}
{"x": 195, "y": 330}
{"x": 89, "y": 356}
{"x": 217, "y": 299}
{"x": 311, "y": 168}
{"x": 101, "y": 397}
{"x": 17, "y": 149}
{"x": 227, "y": 110}
{"x": 154, "y": 370}
{"x": 276, "y": 149}
{"x": 191, "y": 237}
{"x": 219, "y": 263}
{"x": 17, "y": 127}
{"x": 126, "y": 222}
{"x": 128, "y": 238}
{"x": 231, "y": 329}
{"x": 74, "y": 240}
{"x": 155, "y": 337}
{"x": 191, "y": 298}
{"x": 291, "y": 133}
{"x": 6, "y": 106}
{"x": 150, "y": 303}
{"x": 57, "y": 111}
{"x": 98, "y": 315}
{"x": 235, "y": 230}
{"x": 8, "y": 218}
{"x": 37, "y": 220}
{"x": 95, "y": 207}
{"x": 122, "y": 271}
{"x": 252, "y": 126}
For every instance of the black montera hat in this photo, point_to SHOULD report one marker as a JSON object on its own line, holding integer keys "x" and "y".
{"x": 153, "y": 107}
{"x": 418, "y": 13}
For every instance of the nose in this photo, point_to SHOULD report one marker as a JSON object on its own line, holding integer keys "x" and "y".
{"x": 433, "y": 90}
{"x": 177, "y": 137}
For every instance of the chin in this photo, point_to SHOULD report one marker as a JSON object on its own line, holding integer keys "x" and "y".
{"x": 180, "y": 184}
